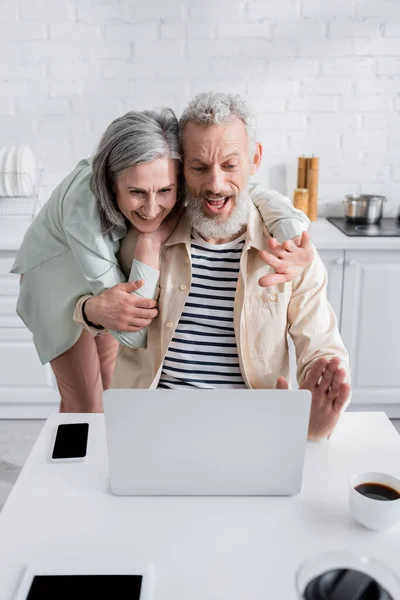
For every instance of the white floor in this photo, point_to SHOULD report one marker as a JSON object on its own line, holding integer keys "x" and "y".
{"x": 16, "y": 441}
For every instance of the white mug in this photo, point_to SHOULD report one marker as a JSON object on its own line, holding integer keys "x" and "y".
{"x": 317, "y": 565}
{"x": 374, "y": 514}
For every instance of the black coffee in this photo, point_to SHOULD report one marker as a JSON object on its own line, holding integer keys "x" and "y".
{"x": 345, "y": 584}
{"x": 377, "y": 491}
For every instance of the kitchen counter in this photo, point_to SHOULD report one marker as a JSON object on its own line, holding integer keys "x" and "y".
{"x": 324, "y": 235}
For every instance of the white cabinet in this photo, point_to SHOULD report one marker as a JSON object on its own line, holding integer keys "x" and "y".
{"x": 364, "y": 291}
{"x": 27, "y": 388}
{"x": 370, "y": 326}
{"x": 334, "y": 261}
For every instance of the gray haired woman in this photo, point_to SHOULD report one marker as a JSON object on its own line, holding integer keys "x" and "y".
{"x": 70, "y": 250}
{"x": 71, "y": 247}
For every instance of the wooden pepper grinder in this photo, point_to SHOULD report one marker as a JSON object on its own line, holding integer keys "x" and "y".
{"x": 302, "y": 172}
{"x": 312, "y": 185}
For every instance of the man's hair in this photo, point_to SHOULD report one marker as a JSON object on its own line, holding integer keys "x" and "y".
{"x": 212, "y": 108}
{"x": 134, "y": 138}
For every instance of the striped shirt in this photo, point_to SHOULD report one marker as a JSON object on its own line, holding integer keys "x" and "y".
{"x": 203, "y": 351}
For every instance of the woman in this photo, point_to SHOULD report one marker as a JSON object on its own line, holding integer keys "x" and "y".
{"x": 70, "y": 250}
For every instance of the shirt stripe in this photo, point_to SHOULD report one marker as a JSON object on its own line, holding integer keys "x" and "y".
{"x": 203, "y": 351}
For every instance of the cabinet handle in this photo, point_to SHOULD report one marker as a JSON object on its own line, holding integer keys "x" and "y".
{"x": 351, "y": 262}
{"x": 339, "y": 261}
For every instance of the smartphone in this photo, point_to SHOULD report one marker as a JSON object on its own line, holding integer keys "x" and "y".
{"x": 84, "y": 579}
{"x": 70, "y": 442}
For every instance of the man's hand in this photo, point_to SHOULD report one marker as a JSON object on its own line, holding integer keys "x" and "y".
{"x": 116, "y": 308}
{"x": 325, "y": 380}
{"x": 289, "y": 259}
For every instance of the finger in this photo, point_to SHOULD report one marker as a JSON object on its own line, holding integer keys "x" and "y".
{"x": 315, "y": 372}
{"x": 131, "y": 286}
{"x": 139, "y": 302}
{"x": 305, "y": 240}
{"x": 272, "y": 279}
{"x": 289, "y": 246}
{"x": 271, "y": 260}
{"x": 282, "y": 384}
{"x": 282, "y": 254}
{"x": 325, "y": 381}
{"x": 342, "y": 398}
{"x": 272, "y": 243}
{"x": 327, "y": 377}
{"x": 141, "y": 313}
{"x": 139, "y": 323}
{"x": 337, "y": 380}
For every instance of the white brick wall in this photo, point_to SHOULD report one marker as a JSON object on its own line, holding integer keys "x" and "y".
{"x": 322, "y": 75}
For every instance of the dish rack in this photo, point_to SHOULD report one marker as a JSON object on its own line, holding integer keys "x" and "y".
{"x": 18, "y": 205}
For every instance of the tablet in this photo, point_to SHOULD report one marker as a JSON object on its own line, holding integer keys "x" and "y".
{"x": 81, "y": 580}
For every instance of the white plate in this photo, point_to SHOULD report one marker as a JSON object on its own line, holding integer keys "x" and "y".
{"x": 3, "y": 154}
{"x": 9, "y": 172}
{"x": 26, "y": 167}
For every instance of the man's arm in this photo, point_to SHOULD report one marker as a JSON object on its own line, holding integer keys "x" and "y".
{"x": 312, "y": 321}
{"x": 322, "y": 360}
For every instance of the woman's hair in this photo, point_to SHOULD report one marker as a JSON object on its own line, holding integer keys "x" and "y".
{"x": 134, "y": 138}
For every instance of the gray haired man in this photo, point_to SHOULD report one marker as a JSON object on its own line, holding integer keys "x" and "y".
{"x": 217, "y": 328}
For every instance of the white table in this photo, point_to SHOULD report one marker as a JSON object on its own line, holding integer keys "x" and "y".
{"x": 201, "y": 548}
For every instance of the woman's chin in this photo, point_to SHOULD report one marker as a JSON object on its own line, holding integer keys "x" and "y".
{"x": 146, "y": 227}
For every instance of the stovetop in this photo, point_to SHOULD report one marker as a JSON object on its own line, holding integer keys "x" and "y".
{"x": 385, "y": 228}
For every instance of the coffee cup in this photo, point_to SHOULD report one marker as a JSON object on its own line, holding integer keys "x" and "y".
{"x": 347, "y": 576}
{"x": 374, "y": 500}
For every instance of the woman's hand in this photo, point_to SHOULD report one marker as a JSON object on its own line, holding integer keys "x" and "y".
{"x": 288, "y": 259}
{"x": 118, "y": 309}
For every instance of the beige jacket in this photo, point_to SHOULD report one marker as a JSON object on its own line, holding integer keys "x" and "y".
{"x": 262, "y": 316}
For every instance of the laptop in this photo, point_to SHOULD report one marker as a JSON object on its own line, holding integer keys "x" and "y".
{"x": 206, "y": 442}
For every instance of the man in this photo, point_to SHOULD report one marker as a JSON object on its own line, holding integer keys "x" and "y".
{"x": 216, "y": 326}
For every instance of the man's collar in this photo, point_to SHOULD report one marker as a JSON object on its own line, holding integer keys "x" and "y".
{"x": 181, "y": 233}
{"x": 254, "y": 234}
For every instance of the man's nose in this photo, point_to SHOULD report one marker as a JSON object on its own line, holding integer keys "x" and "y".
{"x": 216, "y": 181}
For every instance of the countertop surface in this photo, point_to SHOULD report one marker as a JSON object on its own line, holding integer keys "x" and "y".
{"x": 324, "y": 235}
{"x": 200, "y": 547}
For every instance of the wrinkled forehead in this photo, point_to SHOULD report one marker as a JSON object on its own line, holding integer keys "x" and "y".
{"x": 210, "y": 141}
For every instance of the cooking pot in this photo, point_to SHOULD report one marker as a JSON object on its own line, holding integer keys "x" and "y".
{"x": 366, "y": 208}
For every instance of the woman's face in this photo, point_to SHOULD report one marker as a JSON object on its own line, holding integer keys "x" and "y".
{"x": 147, "y": 192}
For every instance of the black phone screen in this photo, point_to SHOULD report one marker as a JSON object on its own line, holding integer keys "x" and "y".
{"x": 83, "y": 587}
{"x": 71, "y": 440}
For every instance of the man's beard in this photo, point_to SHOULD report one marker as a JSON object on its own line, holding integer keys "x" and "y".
{"x": 215, "y": 227}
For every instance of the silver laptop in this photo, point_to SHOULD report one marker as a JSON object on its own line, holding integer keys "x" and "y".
{"x": 206, "y": 442}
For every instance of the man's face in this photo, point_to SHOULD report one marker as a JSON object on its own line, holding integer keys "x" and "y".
{"x": 217, "y": 166}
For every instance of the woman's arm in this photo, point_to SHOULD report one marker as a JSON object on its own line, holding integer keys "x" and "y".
{"x": 145, "y": 267}
{"x": 94, "y": 252}
{"x": 283, "y": 221}
{"x": 289, "y": 252}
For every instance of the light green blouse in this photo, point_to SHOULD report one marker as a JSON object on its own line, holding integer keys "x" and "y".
{"x": 64, "y": 256}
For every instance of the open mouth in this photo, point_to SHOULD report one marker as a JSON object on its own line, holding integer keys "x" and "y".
{"x": 217, "y": 204}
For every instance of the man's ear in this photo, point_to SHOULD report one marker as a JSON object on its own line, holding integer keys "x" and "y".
{"x": 255, "y": 163}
